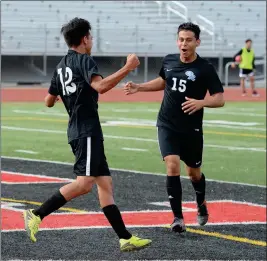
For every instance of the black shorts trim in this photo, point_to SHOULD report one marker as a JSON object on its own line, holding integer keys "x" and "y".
{"x": 188, "y": 146}
{"x": 243, "y": 73}
{"x": 90, "y": 159}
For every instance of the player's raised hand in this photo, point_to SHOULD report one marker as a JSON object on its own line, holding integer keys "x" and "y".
{"x": 130, "y": 88}
{"x": 132, "y": 61}
{"x": 233, "y": 65}
{"x": 192, "y": 105}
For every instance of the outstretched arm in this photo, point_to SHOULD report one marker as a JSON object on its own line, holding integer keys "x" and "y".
{"x": 157, "y": 84}
{"x": 104, "y": 85}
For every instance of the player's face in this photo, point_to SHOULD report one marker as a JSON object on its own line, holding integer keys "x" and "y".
{"x": 88, "y": 42}
{"x": 187, "y": 43}
{"x": 248, "y": 44}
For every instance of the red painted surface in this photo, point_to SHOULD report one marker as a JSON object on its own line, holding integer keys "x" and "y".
{"x": 7, "y": 177}
{"x": 220, "y": 212}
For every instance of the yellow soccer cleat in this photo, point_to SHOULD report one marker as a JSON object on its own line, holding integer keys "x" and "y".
{"x": 134, "y": 243}
{"x": 32, "y": 223}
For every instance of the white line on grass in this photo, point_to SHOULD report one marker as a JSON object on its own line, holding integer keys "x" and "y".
{"x": 27, "y": 151}
{"x": 131, "y": 171}
{"x": 233, "y": 127}
{"x": 134, "y": 149}
{"x": 145, "y": 122}
{"x": 224, "y": 112}
{"x": 236, "y": 113}
{"x": 41, "y": 113}
{"x": 133, "y": 138}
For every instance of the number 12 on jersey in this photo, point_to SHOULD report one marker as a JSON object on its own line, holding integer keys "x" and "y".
{"x": 67, "y": 89}
{"x": 182, "y": 85}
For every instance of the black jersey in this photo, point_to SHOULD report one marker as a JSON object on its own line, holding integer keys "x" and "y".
{"x": 71, "y": 80}
{"x": 190, "y": 80}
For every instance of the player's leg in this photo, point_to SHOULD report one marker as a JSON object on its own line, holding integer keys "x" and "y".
{"x": 242, "y": 77}
{"x": 128, "y": 242}
{"x": 252, "y": 85}
{"x": 191, "y": 154}
{"x": 199, "y": 184}
{"x": 82, "y": 185}
{"x": 170, "y": 151}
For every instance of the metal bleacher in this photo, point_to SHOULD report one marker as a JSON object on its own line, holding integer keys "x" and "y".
{"x": 119, "y": 27}
{"x": 234, "y": 21}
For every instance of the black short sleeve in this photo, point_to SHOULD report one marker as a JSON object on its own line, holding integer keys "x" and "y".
{"x": 53, "y": 90}
{"x": 90, "y": 68}
{"x": 213, "y": 82}
{"x": 162, "y": 70}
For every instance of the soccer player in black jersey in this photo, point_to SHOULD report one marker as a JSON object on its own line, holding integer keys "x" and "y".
{"x": 185, "y": 79}
{"x": 78, "y": 82}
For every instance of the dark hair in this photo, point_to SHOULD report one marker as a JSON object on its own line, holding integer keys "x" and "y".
{"x": 75, "y": 30}
{"x": 190, "y": 27}
{"x": 248, "y": 40}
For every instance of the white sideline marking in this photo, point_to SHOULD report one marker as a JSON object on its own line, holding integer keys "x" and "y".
{"x": 238, "y": 123}
{"x": 134, "y": 149}
{"x": 209, "y": 111}
{"x": 236, "y": 113}
{"x": 41, "y": 113}
{"x": 234, "y": 127}
{"x": 27, "y": 151}
{"x": 133, "y": 138}
{"x": 144, "y": 122}
{"x": 137, "y": 226}
{"x": 235, "y": 148}
{"x": 167, "y": 203}
{"x": 133, "y": 171}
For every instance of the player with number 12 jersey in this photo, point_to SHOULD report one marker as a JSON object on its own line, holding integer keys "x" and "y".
{"x": 82, "y": 104}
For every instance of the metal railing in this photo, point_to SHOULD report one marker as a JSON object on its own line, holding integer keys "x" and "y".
{"x": 178, "y": 12}
{"x": 257, "y": 62}
{"x": 159, "y": 3}
{"x": 204, "y": 23}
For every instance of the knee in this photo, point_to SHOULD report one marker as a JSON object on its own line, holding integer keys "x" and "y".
{"x": 84, "y": 187}
{"x": 173, "y": 166}
{"x": 194, "y": 174}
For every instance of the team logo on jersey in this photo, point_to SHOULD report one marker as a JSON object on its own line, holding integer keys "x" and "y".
{"x": 191, "y": 75}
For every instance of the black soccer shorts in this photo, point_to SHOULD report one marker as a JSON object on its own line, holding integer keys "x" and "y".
{"x": 189, "y": 146}
{"x": 90, "y": 159}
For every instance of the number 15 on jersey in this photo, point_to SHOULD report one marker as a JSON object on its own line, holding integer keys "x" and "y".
{"x": 182, "y": 85}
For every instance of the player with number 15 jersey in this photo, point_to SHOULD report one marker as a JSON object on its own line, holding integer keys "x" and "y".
{"x": 185, "y": 79}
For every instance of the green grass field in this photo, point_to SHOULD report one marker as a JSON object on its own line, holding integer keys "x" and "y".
{"x": 235, "y": 137}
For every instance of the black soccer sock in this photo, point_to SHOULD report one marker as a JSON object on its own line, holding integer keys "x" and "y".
{"x": 174, "y": 190}
{"x": 51, "y": 205}
{"x": 113, "y": 215}
{"x": 200, "y": 188}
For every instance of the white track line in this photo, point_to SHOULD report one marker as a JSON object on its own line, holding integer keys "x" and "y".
{"x": 132, "y": 138}
{"x": 133, "y": 171}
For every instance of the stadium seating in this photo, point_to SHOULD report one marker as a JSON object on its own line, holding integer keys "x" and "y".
{"x": 32, "y": 27}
